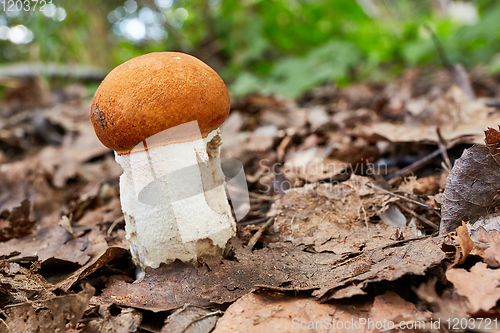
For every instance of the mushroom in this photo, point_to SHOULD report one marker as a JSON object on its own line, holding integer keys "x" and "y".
{"x": 161, "y": 113}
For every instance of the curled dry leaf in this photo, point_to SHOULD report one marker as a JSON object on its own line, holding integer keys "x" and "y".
{"x": 492, "y": 140}
{"x": 471, "y": 188}
{"x": 465, "y": 243}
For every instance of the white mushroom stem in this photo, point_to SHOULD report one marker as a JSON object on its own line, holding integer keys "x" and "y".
{"x": 174, "y": 201}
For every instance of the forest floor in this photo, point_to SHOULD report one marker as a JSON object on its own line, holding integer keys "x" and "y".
{"x": 368, "y": 212}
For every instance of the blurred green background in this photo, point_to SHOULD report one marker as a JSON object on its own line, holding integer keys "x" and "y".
{"x": 268, "y": 46}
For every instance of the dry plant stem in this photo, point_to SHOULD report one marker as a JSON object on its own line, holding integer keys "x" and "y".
{"x": 263, "y": 197}
{"x": 114, "y": 224}
{"x": 418, "y": 216}
{"x": 410, "y": 194}
{"x": 211, "y": 314}
{"x": 444, "y": 151}
{"x": 394, "y": 177}
{"x": 255, "y": 221}
{"x": 259, "y": 233}
{"x": 432, "y": 209}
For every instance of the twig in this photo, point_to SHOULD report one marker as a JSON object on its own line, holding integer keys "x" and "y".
{"x": 211, "y": 314}
{"x": 259, "y": 232}
{"x": 113, "y": 225}
{"x": 420, "y": 204}
{"x": 444, "y": 152}
{"x": 417, "y": 216}
{"x": 254, "y": 221}
{"x": 393, "y": 177}
{"x": 264, "y": 197}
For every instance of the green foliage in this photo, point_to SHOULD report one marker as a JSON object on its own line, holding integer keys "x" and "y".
{"x": 271, "y": 46}
{"x": 294, "y": 76}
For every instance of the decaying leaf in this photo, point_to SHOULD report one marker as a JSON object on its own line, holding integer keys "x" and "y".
{"x": 345, "y": 205}
{"x": 275, "y": 312}
{"x": 52, "y": 242}
{"x": 60, "y": 313}
{"x": 20, "y": 284}
{"x": 127, "y": 321}
{"x": 191, "y": 319}
{"x": 100, "y": 256}
{"x": 480, "y": 285}
{"x": 391, "y": 307}
{"x": 456, "y": 115}
{"x": 471, "y": 188}
{"x": 17, "y": 222}
{"x": 485, "y": 235}
{"x": 281, "y": 266}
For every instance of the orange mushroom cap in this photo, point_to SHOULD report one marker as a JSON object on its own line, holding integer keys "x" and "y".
{"x": 155, "y": 92}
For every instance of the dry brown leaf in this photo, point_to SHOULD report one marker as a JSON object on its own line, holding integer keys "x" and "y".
{"x": 465, "y": 243}
{"x": 456, "y": 115}
{"x": 486, "y": 240}
{"x": 387, "y": 263}
{"x": 60, "y": 313}
{"x": 348, "y": 292}
{"x": 100, "y": 255}
{"x": 445, "y": 306}
{"x": 22, "y": 284}
{"x": 126, "y": 322}
{"x": 17, "y": 222}
{"x": 280, "y": 266}
{"x": 313, "y": 209}
{"x": 52, "y": 242}
{"x": 391, "y": 307}
{"x": 480, "y": 285}
{"x": 471, "y": 188}
{"x": 275, "y": 312}
{"x": 492, "y": 140}
{"x": 492, "y": 255}
{"x": 191, "y": 319}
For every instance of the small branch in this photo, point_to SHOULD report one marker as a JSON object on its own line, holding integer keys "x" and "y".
{"x": 113, "y": 225}
{"x": 417, "y": 216}
{"x": 412, "y": 167}
{"x": 393, "y": 177}
{"x": 254, "y": 221}
{"x": 211, "y": 314}
{"x": 444, "y": 152}
{"x": 259, "y": 233}
{"x": 432, "y": 209}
